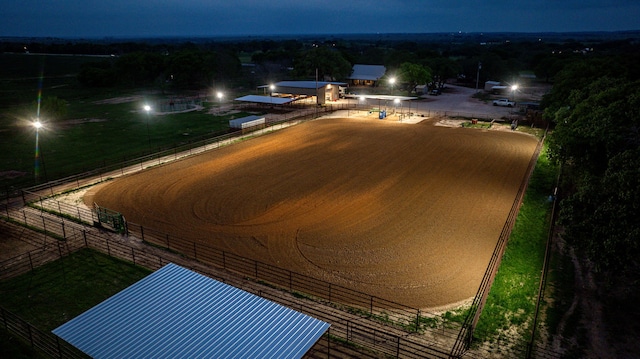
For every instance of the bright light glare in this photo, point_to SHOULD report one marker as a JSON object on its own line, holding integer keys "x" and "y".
{"x": 220, "y": 95}
{"x": 392, "y": 80}
{"x": 147, "y": 108}
{"x": 397, "y": 100}
{"x": 37, "y": 125}
{"x": 514, "y": 87}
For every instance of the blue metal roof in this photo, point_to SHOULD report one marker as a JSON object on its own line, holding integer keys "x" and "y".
{"x": 177, "y": 313}
{"x": 367, "y": 72}
{"x": 265, "y": 99}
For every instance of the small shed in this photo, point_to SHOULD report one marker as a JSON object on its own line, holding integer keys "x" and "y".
{"x": 247, "y": 122}
{"x": 489, "y": 85}
{"x": 177, "y": 313}
{"x": 500, "y": 90}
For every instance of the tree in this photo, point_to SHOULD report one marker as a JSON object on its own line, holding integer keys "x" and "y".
{"x": 442, "y": 69}
{"x": 191, "y": 69}
{"x": 412, "y": 75}
{"x": 597, "y": 139}
{"x": 329, "y": 62}
{"x": 98, "y": 74}
{"x": 140, "y": 68}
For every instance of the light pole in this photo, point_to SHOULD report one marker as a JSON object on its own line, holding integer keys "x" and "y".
{"x": 392, "y": 82}
{"x": 514, "y": 88}
{"x": 147, "y": 109}
{"x": 360, "y": 101}
{"x": 37, "y": 125}
{"x": 219, "y": 95}
{"x": 271, "y": 88}
{"x": 513, "y": 98}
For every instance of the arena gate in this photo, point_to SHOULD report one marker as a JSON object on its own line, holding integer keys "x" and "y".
{"x": 110, "y": 219}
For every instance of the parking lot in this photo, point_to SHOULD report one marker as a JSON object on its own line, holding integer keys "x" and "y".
{"x": 454, "y": 101}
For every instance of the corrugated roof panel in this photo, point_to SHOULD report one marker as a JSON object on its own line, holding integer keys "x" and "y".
{"x": 307, "y": 84}
{"x": 177, "y": 313}
{"x": 367, "y": 72}
{"x": 265, "y": 99}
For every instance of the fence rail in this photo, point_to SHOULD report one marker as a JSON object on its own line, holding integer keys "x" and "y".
{"x": 44, "y": 342}
{"x": 77, "y": 237}
{"x": 402, "y": 315}
{"x": 466, "y": 333}
{"x": 104, "y": 170}
{"x": 69, "y": 236}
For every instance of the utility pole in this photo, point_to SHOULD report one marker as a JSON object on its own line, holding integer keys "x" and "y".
{"x": 478, "y": 75}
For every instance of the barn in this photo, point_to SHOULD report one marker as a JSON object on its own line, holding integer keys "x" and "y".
{"x": 325, "y": 91}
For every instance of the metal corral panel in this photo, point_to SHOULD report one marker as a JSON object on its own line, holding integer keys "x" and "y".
{"x": 177, "y": 313}
{"x": 245, "y": 122}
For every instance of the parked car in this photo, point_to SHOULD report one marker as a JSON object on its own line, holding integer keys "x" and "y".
{"x": 504, "y": 102}
{"x": 435, "y": 92}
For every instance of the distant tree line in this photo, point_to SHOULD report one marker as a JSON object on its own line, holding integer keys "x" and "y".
{"x": 196, "y": 64}
{"x": 184, "y": 69}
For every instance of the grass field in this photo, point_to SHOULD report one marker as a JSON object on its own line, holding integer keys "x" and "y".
{"x": 95, "y": 131}
{"x": 59, "y": 291}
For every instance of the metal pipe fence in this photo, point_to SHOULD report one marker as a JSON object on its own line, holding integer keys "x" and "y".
{"x": 43, "y": 200}
{"x": 104, "y": 170}
{"x": 356, "y": 331}
{"x": 347, "y": 298}
{"x": 44, "y": 342}
{"x": 465, "y": 335}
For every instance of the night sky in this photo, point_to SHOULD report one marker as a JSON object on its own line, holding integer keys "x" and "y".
{"x": 159, "y": 18}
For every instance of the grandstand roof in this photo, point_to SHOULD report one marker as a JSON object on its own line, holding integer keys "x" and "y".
{"x": 177, "y": 313}
{"x": 382, "y": 97}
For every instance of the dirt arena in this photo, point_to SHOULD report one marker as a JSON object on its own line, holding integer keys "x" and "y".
{"x": 406, "y": 212}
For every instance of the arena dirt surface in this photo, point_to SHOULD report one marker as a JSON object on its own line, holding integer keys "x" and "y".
{"x": 407, "y": 212}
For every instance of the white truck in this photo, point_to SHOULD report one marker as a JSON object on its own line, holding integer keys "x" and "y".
{"x": 504, "y": 102}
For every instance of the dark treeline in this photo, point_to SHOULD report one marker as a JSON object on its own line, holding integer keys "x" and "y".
{"x": 594, "y": 105}
{"x": 203, "y": 62}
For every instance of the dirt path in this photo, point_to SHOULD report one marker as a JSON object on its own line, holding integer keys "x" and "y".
{"x": 410, "y": 213}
